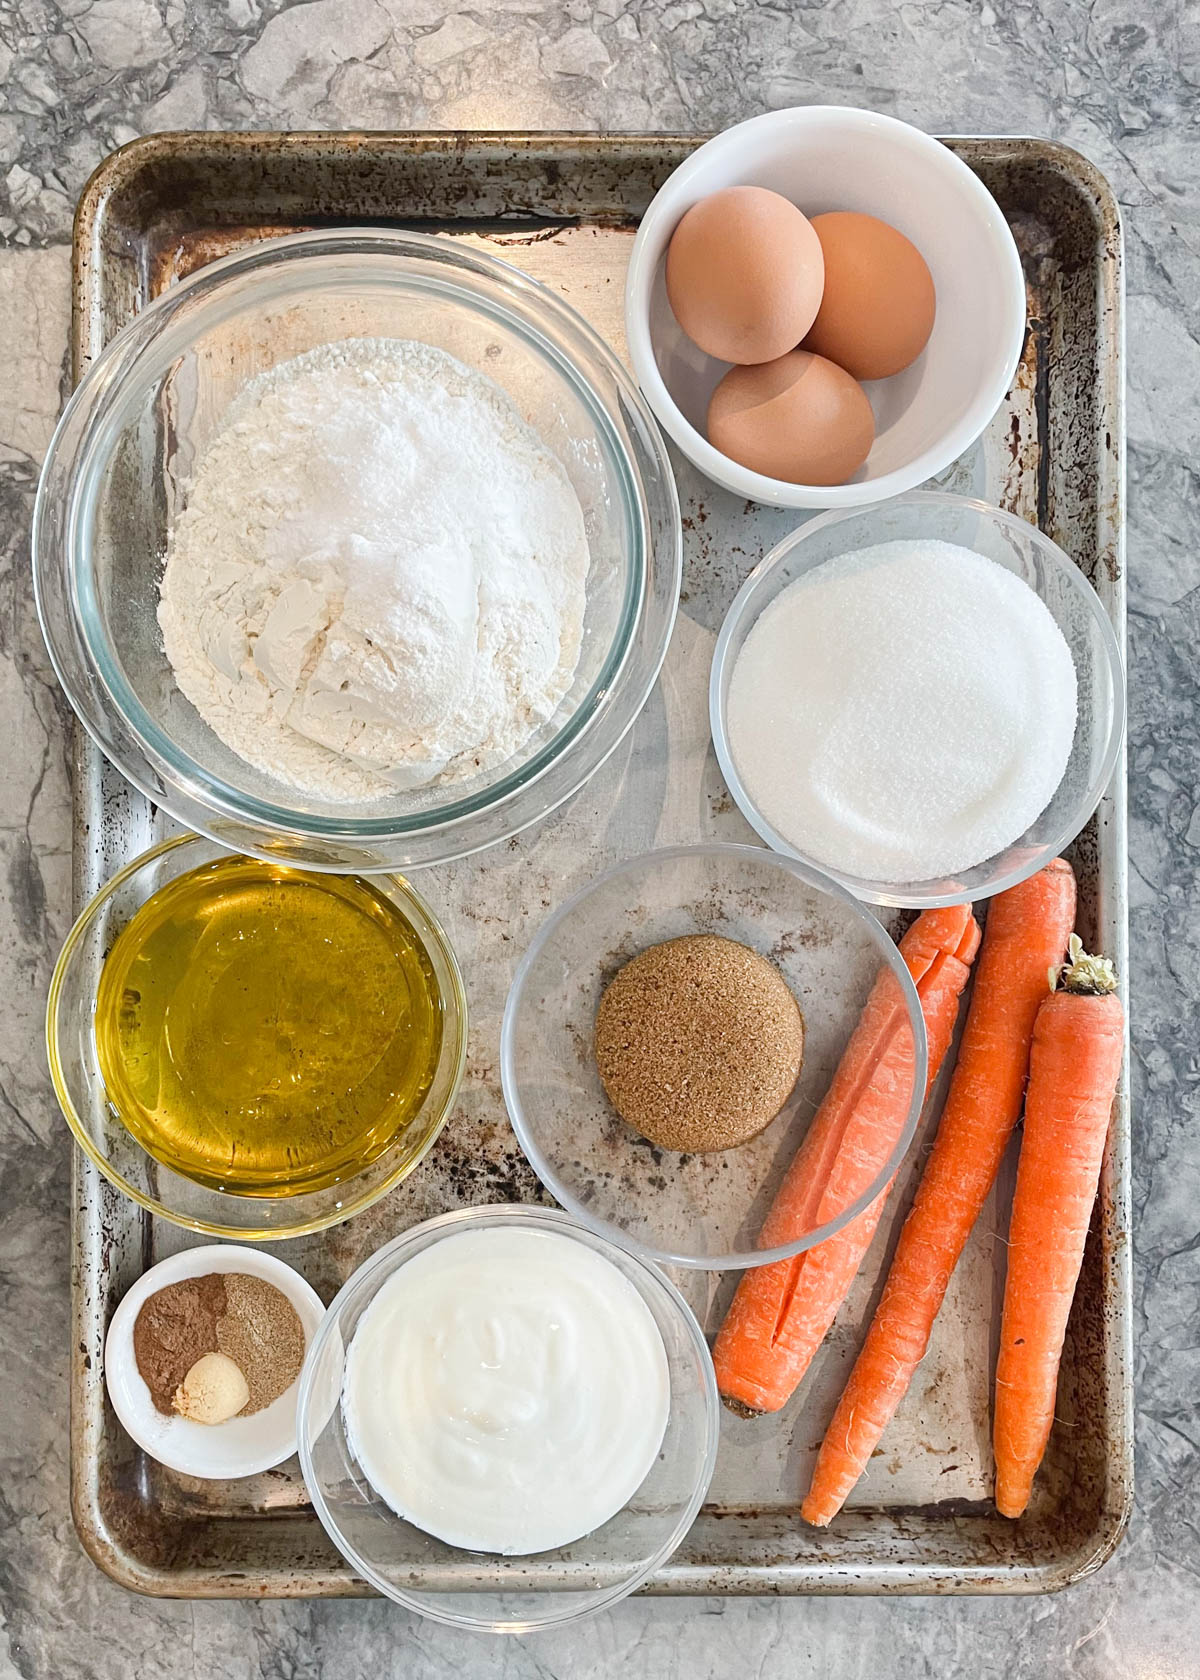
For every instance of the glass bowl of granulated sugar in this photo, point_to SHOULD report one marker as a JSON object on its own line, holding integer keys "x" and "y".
{"x": 923, "y": 698}
{"x": 357, "y": 549}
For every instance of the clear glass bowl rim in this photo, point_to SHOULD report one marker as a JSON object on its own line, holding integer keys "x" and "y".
{"x": 111, "y": 384}
{"x": 387, "y": 1259}
{"x": 916, "y": 894}
{"x": 736, "y": 1260}
{"x": 456, "y": 1018}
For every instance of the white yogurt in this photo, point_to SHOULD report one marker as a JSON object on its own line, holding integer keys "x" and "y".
{"x": 507, "y": 1390}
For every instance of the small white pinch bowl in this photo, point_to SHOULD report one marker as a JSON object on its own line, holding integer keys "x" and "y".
{"x": 218, "y": 1452}
{"x": 830, "y": 157}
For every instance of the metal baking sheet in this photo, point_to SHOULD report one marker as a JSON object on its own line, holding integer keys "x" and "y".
{"x": 564, "y": 207}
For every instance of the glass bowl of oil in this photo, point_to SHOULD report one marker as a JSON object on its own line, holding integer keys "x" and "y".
{"x": 252, "y": 1050}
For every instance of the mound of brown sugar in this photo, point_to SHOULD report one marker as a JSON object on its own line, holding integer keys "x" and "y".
{"x": 699, "y": 1042}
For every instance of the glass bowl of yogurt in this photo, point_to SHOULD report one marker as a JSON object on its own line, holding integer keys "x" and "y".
{"x": 357, "y": 548}
{"x": 507, "y": 1422}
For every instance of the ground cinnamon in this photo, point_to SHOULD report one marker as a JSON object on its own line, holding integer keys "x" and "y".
{"x": 176, "y": 1326}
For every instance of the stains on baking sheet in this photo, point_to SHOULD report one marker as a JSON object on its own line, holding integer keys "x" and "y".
{"x": 194, "y": 250}
{"x": 514, "y": 241}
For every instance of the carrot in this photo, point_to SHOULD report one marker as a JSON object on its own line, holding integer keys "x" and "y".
{"x": 781, "y": 1312}
{"x": 1078, "y": 1046}
{"x": 1027, "y": 931}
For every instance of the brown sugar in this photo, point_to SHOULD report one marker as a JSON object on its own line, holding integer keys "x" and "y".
{"x": 699, "y": 1042}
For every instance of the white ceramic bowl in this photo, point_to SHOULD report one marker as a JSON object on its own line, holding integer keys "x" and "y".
{"x": 243, "y": 1446}
{"x": 828, "y": 157}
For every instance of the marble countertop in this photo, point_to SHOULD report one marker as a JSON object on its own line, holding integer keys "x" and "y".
{"x": 1115, "y": 78}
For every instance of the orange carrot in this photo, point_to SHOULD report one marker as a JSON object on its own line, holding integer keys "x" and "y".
{"x": 781, "y": 1312}
{"x": 1026, "y": 932}
{"x": 1078, "y": 1045}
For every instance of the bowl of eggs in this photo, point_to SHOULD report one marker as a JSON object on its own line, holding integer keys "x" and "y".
{"x": 824, "y": 307}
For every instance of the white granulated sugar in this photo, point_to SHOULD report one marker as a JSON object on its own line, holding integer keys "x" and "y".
{"x": 905, "y": 712}
{"x": 378, "y": 579}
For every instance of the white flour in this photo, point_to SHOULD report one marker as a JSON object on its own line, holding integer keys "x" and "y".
{"x": 378, "y": 579}
{"x": 904, "y": 712}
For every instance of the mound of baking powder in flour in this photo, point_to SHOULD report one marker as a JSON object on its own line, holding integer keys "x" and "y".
{"x": 378, "y": 579}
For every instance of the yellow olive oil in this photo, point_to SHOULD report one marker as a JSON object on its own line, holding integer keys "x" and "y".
{"x": 266, "y": 1031}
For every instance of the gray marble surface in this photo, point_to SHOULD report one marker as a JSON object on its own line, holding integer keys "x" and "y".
{"x": 1116, "y": 78}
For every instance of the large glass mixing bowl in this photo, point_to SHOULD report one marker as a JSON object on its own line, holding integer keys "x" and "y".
{"x": 117, "y": 476}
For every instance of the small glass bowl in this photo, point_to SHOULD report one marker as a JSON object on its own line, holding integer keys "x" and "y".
{"x": 478, "y": 1590}
{"x": 1077, "y": 610}
{"x": 113, "y": 1149}
{"x": 117, "y": 474}
{"x": 702, "y": 1211}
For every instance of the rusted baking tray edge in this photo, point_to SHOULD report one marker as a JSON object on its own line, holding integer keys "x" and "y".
{"x": 320, "y": 178}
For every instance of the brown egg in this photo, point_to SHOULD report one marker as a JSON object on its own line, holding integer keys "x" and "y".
{"x": 877, "y": 310}
{"x": 799, "y": 418}
{"x": 744, "y": 274}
